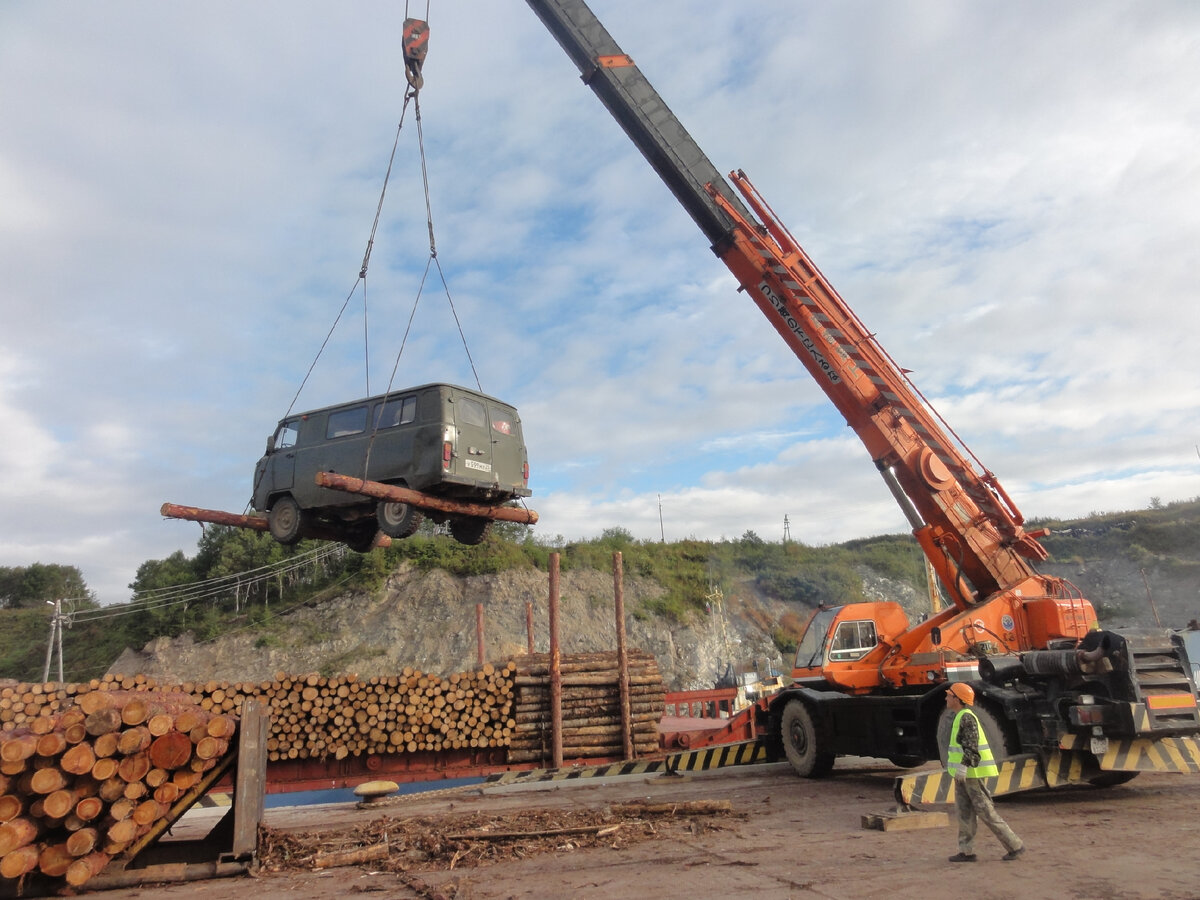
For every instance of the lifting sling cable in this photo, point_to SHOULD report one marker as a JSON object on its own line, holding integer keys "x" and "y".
{"x": 362, "y": 274}
{"x": 432, "y": 260}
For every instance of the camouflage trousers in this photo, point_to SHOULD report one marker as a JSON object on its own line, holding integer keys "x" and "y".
{"x": 974, "y": 804}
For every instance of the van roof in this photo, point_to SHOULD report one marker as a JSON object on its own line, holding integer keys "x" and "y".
{"x": 398, "y": 393}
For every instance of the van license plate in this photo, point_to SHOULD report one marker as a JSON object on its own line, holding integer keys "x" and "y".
{"x": 482, "y": 467}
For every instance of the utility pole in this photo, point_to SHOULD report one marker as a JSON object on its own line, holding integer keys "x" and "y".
{"x": 661, "y": 531}
{"x": 55, "y": 641}
{"x": 787, "y": 529}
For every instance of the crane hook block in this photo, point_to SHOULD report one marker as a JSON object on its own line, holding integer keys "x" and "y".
{"x": 416, "y": 45}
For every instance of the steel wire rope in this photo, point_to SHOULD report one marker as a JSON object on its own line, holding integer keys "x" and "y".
{"x": 432, "y": 260}
{"x": 362, "y": 277}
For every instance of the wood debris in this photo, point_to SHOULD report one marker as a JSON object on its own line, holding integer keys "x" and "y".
{"x": 428, "y": 843}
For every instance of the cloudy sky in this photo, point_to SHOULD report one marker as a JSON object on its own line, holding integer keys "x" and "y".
{"x": 1007, "y": 194}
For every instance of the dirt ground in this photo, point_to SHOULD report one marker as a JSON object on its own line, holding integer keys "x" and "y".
{"x": 783, "y": 837}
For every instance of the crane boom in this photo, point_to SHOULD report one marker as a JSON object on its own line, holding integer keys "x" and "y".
{"x": 865, "y": 681}
{"x": 966, "y": 524}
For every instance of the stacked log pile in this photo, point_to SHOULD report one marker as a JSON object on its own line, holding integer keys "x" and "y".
{"x": 81, "y": 783}
{"x": 317, "y": 717}
{"x": 314, "y": 717}
{"x": 409, "y": 712}
{"x": 591, "y": 706}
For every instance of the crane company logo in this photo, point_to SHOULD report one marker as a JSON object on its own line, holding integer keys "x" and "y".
{"x": 809, "y": 344}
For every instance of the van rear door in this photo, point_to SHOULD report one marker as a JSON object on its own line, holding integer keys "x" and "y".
{"x": 509, "y": 460}
{"x": 474, "y": 439}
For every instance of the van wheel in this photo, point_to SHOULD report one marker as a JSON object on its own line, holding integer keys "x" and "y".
{"x": 361, "y": 539}
{"x": 398, "y": 520}
{"x": 286, "y": 520}
{"x": 470, "y": 530}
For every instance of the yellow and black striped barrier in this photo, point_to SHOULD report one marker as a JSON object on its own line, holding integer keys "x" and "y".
{"x": 1017, "y": 773}
{"x": 740, "y": 754}
{"x": 1170, "y": 754}
{"x": 1074, "y": 763}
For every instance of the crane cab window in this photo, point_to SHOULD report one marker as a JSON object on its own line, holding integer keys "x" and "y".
{"x": 812, "y": 644}
{"x": 852, "y": 640}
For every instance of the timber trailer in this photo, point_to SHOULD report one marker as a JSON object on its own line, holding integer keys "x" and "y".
{"x": 1052, "y": 686}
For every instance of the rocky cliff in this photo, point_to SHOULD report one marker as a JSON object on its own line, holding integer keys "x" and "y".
{"x": 427, "y": 619}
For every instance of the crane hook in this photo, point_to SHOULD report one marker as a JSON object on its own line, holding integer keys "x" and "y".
{"x": 416, "y": 45}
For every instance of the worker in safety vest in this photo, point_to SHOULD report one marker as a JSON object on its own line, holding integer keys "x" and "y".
{"x": 969, "y": 760}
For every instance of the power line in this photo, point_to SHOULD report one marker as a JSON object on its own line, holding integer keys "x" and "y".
{"x": 161, "y": 598}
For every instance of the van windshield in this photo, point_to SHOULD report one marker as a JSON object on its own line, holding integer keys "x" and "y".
{"x": 286, "y": 435}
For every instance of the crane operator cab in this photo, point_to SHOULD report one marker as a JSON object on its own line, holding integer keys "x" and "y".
{"x": 439, "y": 439}
{"x": 842, "y": 645}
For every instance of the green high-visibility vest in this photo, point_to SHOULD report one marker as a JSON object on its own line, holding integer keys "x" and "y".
{"x": 954, "y": 755}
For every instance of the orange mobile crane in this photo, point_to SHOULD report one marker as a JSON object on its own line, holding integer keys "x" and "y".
{"x": 866, "y": 681}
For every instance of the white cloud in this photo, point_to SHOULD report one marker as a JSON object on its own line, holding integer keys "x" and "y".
{"x": 1005, "y": 194}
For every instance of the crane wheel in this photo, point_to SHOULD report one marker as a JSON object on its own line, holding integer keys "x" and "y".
{"x": 1001, "y": 740}
{"x": 1111, "y": 779}
{"x": 805, "y": 741}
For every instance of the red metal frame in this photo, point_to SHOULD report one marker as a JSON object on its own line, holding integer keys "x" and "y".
{"x": 691, "y": 719}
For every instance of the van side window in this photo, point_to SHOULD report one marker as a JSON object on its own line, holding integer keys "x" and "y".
{"x": 396, "y": 412}
{"x": 472, "y": 412}
{"x": 347, "y": 421}
{"x": 286, "y": 435}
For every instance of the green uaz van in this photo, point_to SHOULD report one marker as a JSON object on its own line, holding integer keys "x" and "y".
{"x": 440, "y": 439}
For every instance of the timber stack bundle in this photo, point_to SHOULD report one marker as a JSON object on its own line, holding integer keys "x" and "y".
{"x": 79, "y": 785}
{"x": 317, "y": 717}
{"x": 314, "y": 717}
{"x": 591, "y": 706}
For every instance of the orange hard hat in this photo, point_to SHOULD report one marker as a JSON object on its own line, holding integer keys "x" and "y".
{"x": 963, "y": 692}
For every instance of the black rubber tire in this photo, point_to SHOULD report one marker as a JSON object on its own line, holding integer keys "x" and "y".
{"x": 804, "y": 742}
{"x": 1001, "y": 740}
{"x": 286, "y": 520}
{"x": 398, "y": 520}
{"x": 1112, "y": 779}
{"x": 361, "y": 538}
{"x": 907, "y": 762}
{"x": 470, "y": 530}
